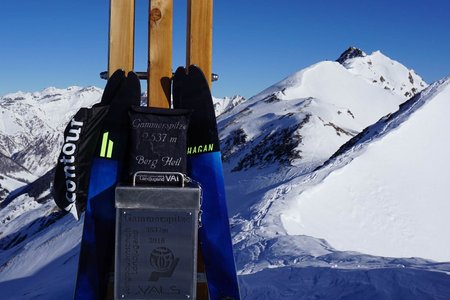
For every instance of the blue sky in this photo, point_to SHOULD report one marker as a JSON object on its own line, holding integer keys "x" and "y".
{"x": 255, "y": 42}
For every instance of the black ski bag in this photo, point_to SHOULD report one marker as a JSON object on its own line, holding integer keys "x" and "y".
{"x": 71, "y": 181}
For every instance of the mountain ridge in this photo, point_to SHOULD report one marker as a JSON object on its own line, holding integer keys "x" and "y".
{"x": 300, "y": 126}
{"x": 385, "y": 190}
{"x": 295, "y": 125}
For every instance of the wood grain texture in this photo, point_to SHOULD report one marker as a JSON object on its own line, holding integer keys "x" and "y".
{"x": 199, "y": 52}
{"x": 160, "y": 53}
{"x": 121, "y": 36}
{"x": 199, "y": 35}
{"x": 120, "y": 56}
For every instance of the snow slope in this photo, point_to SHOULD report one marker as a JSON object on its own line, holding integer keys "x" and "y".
{"x": 295, "y": 125}
{"x": 390, "y": 198}
{"x": 356, "y": 227}
{"x": 44, "y": 267}
{"x": 332, "y": 283}
{"x": 271, "y": 144}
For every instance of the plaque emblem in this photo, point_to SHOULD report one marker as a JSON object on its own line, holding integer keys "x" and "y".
{"x": 164, "y": 262}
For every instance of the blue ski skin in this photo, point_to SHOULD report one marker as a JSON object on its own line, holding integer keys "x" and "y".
{"x": 215, "y": 238}
{"x": 96, "y": 253}
{"x": 97, "y": 245}
{"x": 191, "y": 91}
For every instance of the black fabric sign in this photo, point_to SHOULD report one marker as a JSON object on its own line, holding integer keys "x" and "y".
{"x": 158, "y": 140}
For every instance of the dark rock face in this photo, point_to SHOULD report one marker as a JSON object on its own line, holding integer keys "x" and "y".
{"x": 278, "y": 146}
{"x": 351, "y": 52}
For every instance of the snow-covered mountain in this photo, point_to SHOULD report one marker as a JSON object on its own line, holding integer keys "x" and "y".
{"x": 376, "y": 206}
{"x": 224, "y": 105}
{"x": 385, "y": 192}
{"x": 382, "y": 71}
{"x": 30, "y": 131}
{"x": 290, "y": 243}
{"x": 292, "y": 127}
{"x": 32, "y": 123}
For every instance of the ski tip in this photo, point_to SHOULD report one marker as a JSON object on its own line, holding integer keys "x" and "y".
{"x": 132, "y": 75}
{"x": 195, "y": 69}
{"x": 119, "y": 73}
{"x": 127, "y": 94}
{"x": 133, "y": 79}
{"x": 134, "y": 88}
{"x": 192, "y": 69}
{"x": 181, "y": 71}
{"x": 195, "y": 72}
{"x": 112, "y": 86}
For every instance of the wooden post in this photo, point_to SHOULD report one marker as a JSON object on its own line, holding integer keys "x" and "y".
{"x": 199, "y": 52}
{"x": 199, "y": 35}
{"x": 159, "y": 53}
{"x": 198, "y": 48}
{"x": 121, "y": 36}
{"x": 120, "y": 56}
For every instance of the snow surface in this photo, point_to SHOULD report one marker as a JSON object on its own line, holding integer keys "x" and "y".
{"x": 223, "y": 105}
{"x": 391, "y": 199}
{"x": 331, "y": 284}
{"x": 287, "y": 219}
{"x": 384, "y": 72}
{"x": 333, "y": 84}
{"x": 321, "y": 107}
{"x": 44, "y": 268}
{"x": 53, "y": 106}
{"x": 356, "y": 227}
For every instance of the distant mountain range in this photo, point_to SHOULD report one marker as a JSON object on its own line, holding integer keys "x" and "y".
{"x": 31, "y": 129}
{"x": 335, "y": 178}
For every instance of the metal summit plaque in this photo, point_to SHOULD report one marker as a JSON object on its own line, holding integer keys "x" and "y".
{"x": 156, "y": 242}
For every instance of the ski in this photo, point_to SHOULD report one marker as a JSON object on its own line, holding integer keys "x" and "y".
{"x": 204, "y": 165}
{"x": 107, "y": 169}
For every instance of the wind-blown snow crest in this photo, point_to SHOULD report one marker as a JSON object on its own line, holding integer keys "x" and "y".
{"x": 380, "y": 70}
{"x": 333, "y": 84}
{"x": 386, "y": 194}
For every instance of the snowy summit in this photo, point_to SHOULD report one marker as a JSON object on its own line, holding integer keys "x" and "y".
{"x": 382, "y": 71}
